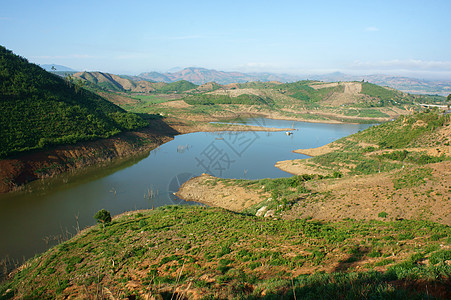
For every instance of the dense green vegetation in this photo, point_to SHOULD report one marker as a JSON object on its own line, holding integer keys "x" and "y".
{"x": 302, "y": 91}
{"x": 177, "y": 87}
{"x": 38, "y": 109}
{"x": 173, "y": 251}
{"x": 211, "y": 99}
{"x": 382, "y": 93}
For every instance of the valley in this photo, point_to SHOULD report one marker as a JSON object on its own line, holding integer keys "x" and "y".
{"x": 359, "y": 202}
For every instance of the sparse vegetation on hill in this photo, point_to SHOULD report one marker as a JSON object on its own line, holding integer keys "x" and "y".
{"x": 406, "y": 131}
{"x": 176, "y": 252}
{"x": 371, "y": 151}
{"x": 38, "y": 109}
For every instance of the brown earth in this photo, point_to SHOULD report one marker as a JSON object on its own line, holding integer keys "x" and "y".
{"x": 208, "y": 190}
{"x": 175, "y": 104}
{"x": 365, "y": 197}
{"x": 358, "y": 197}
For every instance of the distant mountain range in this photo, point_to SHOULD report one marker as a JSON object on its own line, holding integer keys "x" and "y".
{"x": 405, "y": 84}
{"x": 201, "y": 76}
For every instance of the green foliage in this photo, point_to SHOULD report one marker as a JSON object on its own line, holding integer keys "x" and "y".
{"x": 177, "y": 87}
{"x": 382, "y": 214}
{"x": 379, "y": 92}
{"x": 39, "y": 109}
{"x": 211, "y": 99}
{"x": 440, "y": 256}
{"x": 414, "y": 157}
{"x": 302, "y": 91}
{"x": 103, "y": 216}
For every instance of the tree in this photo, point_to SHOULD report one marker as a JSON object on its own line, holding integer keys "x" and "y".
{"x": 103, "y": 216}
{"x": 448, "y": 99}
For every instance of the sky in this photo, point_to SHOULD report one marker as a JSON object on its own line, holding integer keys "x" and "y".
{"x": 395, "y": 37}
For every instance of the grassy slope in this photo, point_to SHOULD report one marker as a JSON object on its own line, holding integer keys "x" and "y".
{"x": 383, "y": 148}
{"x": 38, "y": 109}
{"x": 175, "y": 249}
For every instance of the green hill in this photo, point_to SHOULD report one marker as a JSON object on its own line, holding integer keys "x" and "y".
{"x": 38, "y": 109}
{"x": 177, "y": 87}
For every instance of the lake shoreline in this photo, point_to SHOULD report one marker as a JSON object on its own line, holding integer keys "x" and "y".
{"x": 16, "y": 172}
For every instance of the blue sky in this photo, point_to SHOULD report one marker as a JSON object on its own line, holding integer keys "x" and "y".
{"x": 396, "y": 37}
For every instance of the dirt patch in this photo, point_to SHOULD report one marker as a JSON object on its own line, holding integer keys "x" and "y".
{"x": 318, "y": 151}
{"x": 237, "y": 92}
{"x": 318, "y": 86}
{"x": 376, "y": 197}
{"x": 300, "y": 167}
{"x": 211, "y": 191}
{"x": 351, "y": 93}
{"x": 176, "y": 104}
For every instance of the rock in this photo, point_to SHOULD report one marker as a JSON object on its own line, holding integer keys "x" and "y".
{"x": 270, "y": 213}
{"x": 261, "y": 211}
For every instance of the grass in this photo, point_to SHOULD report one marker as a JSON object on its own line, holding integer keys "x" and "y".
{"x": 240, "y": 257}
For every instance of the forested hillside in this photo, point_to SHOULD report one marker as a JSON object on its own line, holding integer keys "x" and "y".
{"x": 38, "y": 109}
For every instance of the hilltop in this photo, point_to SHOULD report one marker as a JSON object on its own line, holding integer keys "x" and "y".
{"x": 39, "y": 109}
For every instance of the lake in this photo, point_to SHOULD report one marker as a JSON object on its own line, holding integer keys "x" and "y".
{"x": 33, "y": 221}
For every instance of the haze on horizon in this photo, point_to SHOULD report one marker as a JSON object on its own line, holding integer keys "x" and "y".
{"x": 404, "y": 38}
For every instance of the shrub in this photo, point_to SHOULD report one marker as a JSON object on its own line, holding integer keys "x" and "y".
{"x": 103, "y": 216}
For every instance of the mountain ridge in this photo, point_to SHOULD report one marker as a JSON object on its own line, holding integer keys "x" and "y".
{"x": 203, "y": 75}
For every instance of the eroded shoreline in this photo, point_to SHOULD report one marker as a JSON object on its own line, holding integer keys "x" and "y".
{"x": 16, "y": 172}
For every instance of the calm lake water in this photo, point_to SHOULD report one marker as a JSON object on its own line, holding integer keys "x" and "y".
{"x": 32, "y": 222}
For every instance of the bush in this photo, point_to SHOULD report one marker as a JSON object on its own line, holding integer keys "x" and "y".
{"x": 382, "y": 214}
{"x": 103, "y": 216}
